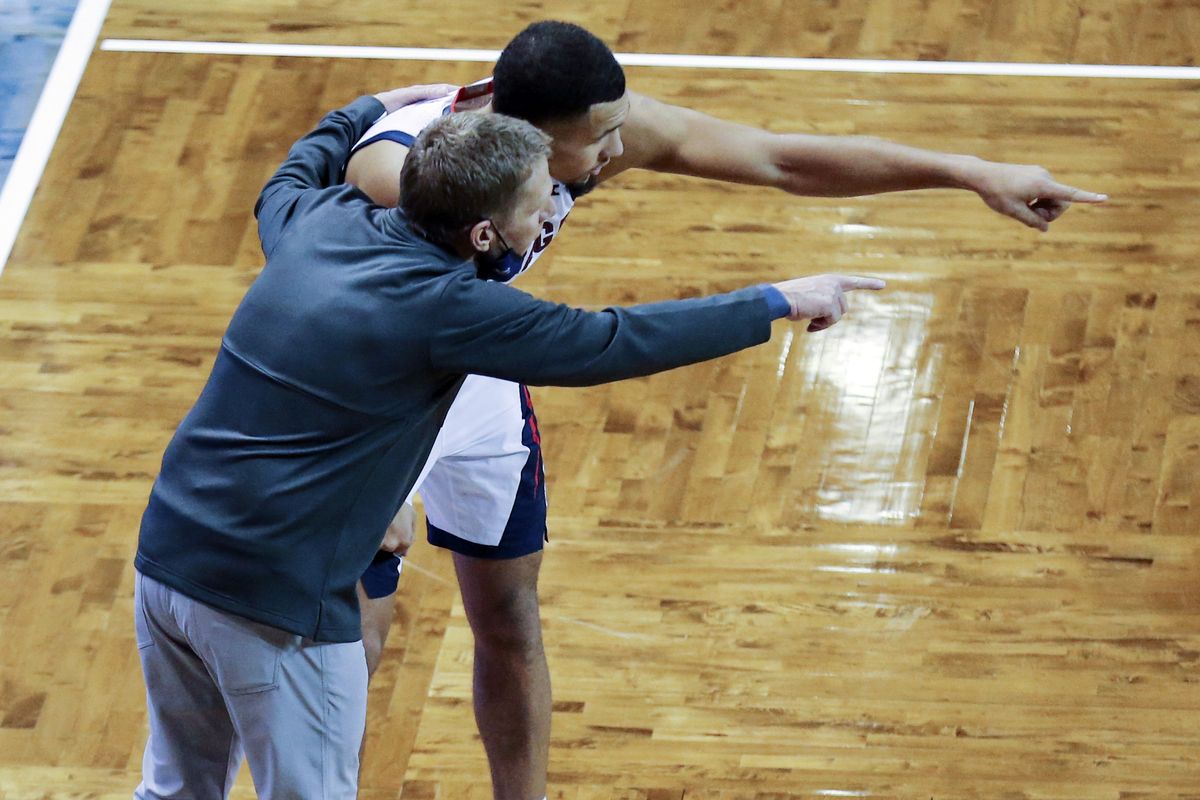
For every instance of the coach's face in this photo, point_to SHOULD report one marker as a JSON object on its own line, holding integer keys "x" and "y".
{"x": 583, "y": 145}
{"x": 523, "y": 220}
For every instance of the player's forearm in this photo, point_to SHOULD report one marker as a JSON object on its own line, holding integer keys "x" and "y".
{"x": 847, "y": 166}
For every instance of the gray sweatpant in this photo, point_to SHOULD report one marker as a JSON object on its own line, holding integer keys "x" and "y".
{"x": 218, "y": 685}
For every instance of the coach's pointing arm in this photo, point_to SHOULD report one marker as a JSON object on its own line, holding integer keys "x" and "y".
{"x": 669, "y": 138}
{"x": 494, "y": 329}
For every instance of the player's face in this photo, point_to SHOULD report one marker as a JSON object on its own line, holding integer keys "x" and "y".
{"x": 583, "y": 145}
{"x": 532, "y": 207}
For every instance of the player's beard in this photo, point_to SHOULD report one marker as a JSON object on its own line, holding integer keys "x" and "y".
{"x": 580, "y": 188}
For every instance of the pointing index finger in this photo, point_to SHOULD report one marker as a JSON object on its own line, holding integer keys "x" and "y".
{"x": 856, "y": 282}
{"x": 1060, "y": 191}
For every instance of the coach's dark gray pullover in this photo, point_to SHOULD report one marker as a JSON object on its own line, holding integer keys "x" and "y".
{"x": 336, "y": 373}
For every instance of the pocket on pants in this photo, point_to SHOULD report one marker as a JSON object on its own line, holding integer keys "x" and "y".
{"x": 245, "y": 655}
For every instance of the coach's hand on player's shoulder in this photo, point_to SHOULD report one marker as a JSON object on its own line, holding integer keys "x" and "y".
{"x": 1027, "y": 193}
{"x": 821, "y": 299}
{"x": 398, "y": 98}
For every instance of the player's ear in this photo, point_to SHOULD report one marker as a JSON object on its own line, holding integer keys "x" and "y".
{"x": 481, "y": 234}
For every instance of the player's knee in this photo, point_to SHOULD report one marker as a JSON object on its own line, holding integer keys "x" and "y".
{"x": 512, "y": 624}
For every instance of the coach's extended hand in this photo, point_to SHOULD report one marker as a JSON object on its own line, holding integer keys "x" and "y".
{"x": 822, "y": 298}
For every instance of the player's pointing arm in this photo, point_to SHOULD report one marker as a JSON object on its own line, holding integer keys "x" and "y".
{"x": 674, "y": 139}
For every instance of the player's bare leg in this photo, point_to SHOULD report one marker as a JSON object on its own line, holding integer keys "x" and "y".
{"x": 376, "y": 622}
{"x": 377, "y": 615}
{"x": 512, "y": 680}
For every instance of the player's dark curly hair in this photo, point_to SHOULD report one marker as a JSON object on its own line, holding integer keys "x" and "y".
{"x": 555, "y": 70}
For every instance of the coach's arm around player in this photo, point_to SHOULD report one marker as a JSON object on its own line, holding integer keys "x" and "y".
{"x": 669, "y": 138}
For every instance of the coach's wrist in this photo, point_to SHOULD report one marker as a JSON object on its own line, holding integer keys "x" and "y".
{"x": 777, "y": 303}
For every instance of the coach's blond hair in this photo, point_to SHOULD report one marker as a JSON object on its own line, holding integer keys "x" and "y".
{"x": 466, "y": 167}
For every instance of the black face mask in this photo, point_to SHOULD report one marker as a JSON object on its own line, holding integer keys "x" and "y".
{"x": 503, "y": 267}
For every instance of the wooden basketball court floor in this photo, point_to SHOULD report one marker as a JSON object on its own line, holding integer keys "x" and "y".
{"x": 947, "y": 549}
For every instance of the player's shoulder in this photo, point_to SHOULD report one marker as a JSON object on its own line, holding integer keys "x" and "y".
{"x": 402, "y": 125}
{"x": 647, "y": 111}
{"x": 376, "y": 171}
{"x": 653, "y": 125}
{"x": 652, "y": 133}
{"x": 378, "y": 156}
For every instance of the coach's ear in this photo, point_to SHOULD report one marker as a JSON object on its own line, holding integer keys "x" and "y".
{"x": 482, "y": 234}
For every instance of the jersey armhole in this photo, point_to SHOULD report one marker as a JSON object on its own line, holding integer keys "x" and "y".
{"x": 399, "y": 137}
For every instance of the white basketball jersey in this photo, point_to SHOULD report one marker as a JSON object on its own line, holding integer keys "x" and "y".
{"x": 403, "y": 125}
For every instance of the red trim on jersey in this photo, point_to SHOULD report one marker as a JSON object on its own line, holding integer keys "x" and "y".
{"x": 471, "y": 91}
{"x": 535, "y": 434}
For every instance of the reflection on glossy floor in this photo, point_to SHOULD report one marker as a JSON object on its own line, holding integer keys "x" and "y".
{"x": 947, "y": 549}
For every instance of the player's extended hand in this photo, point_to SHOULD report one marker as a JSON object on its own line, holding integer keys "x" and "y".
{"x": 822, "y": 298}
{"x": 400, "y": 534}
{"x": 1028, "y": 194}
{"x": 398, "y": 98}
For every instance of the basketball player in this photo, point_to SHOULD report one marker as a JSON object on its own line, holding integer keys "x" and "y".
{"x": 483, "y": 489}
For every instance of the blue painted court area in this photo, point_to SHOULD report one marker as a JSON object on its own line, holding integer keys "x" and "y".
{"x": 30, "y": 34}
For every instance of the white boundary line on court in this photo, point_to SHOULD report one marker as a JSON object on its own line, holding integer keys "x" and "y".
{"x": 42, "y": 133}
{"x": 670, "y": 60}
{"x": 39, "y": 138}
